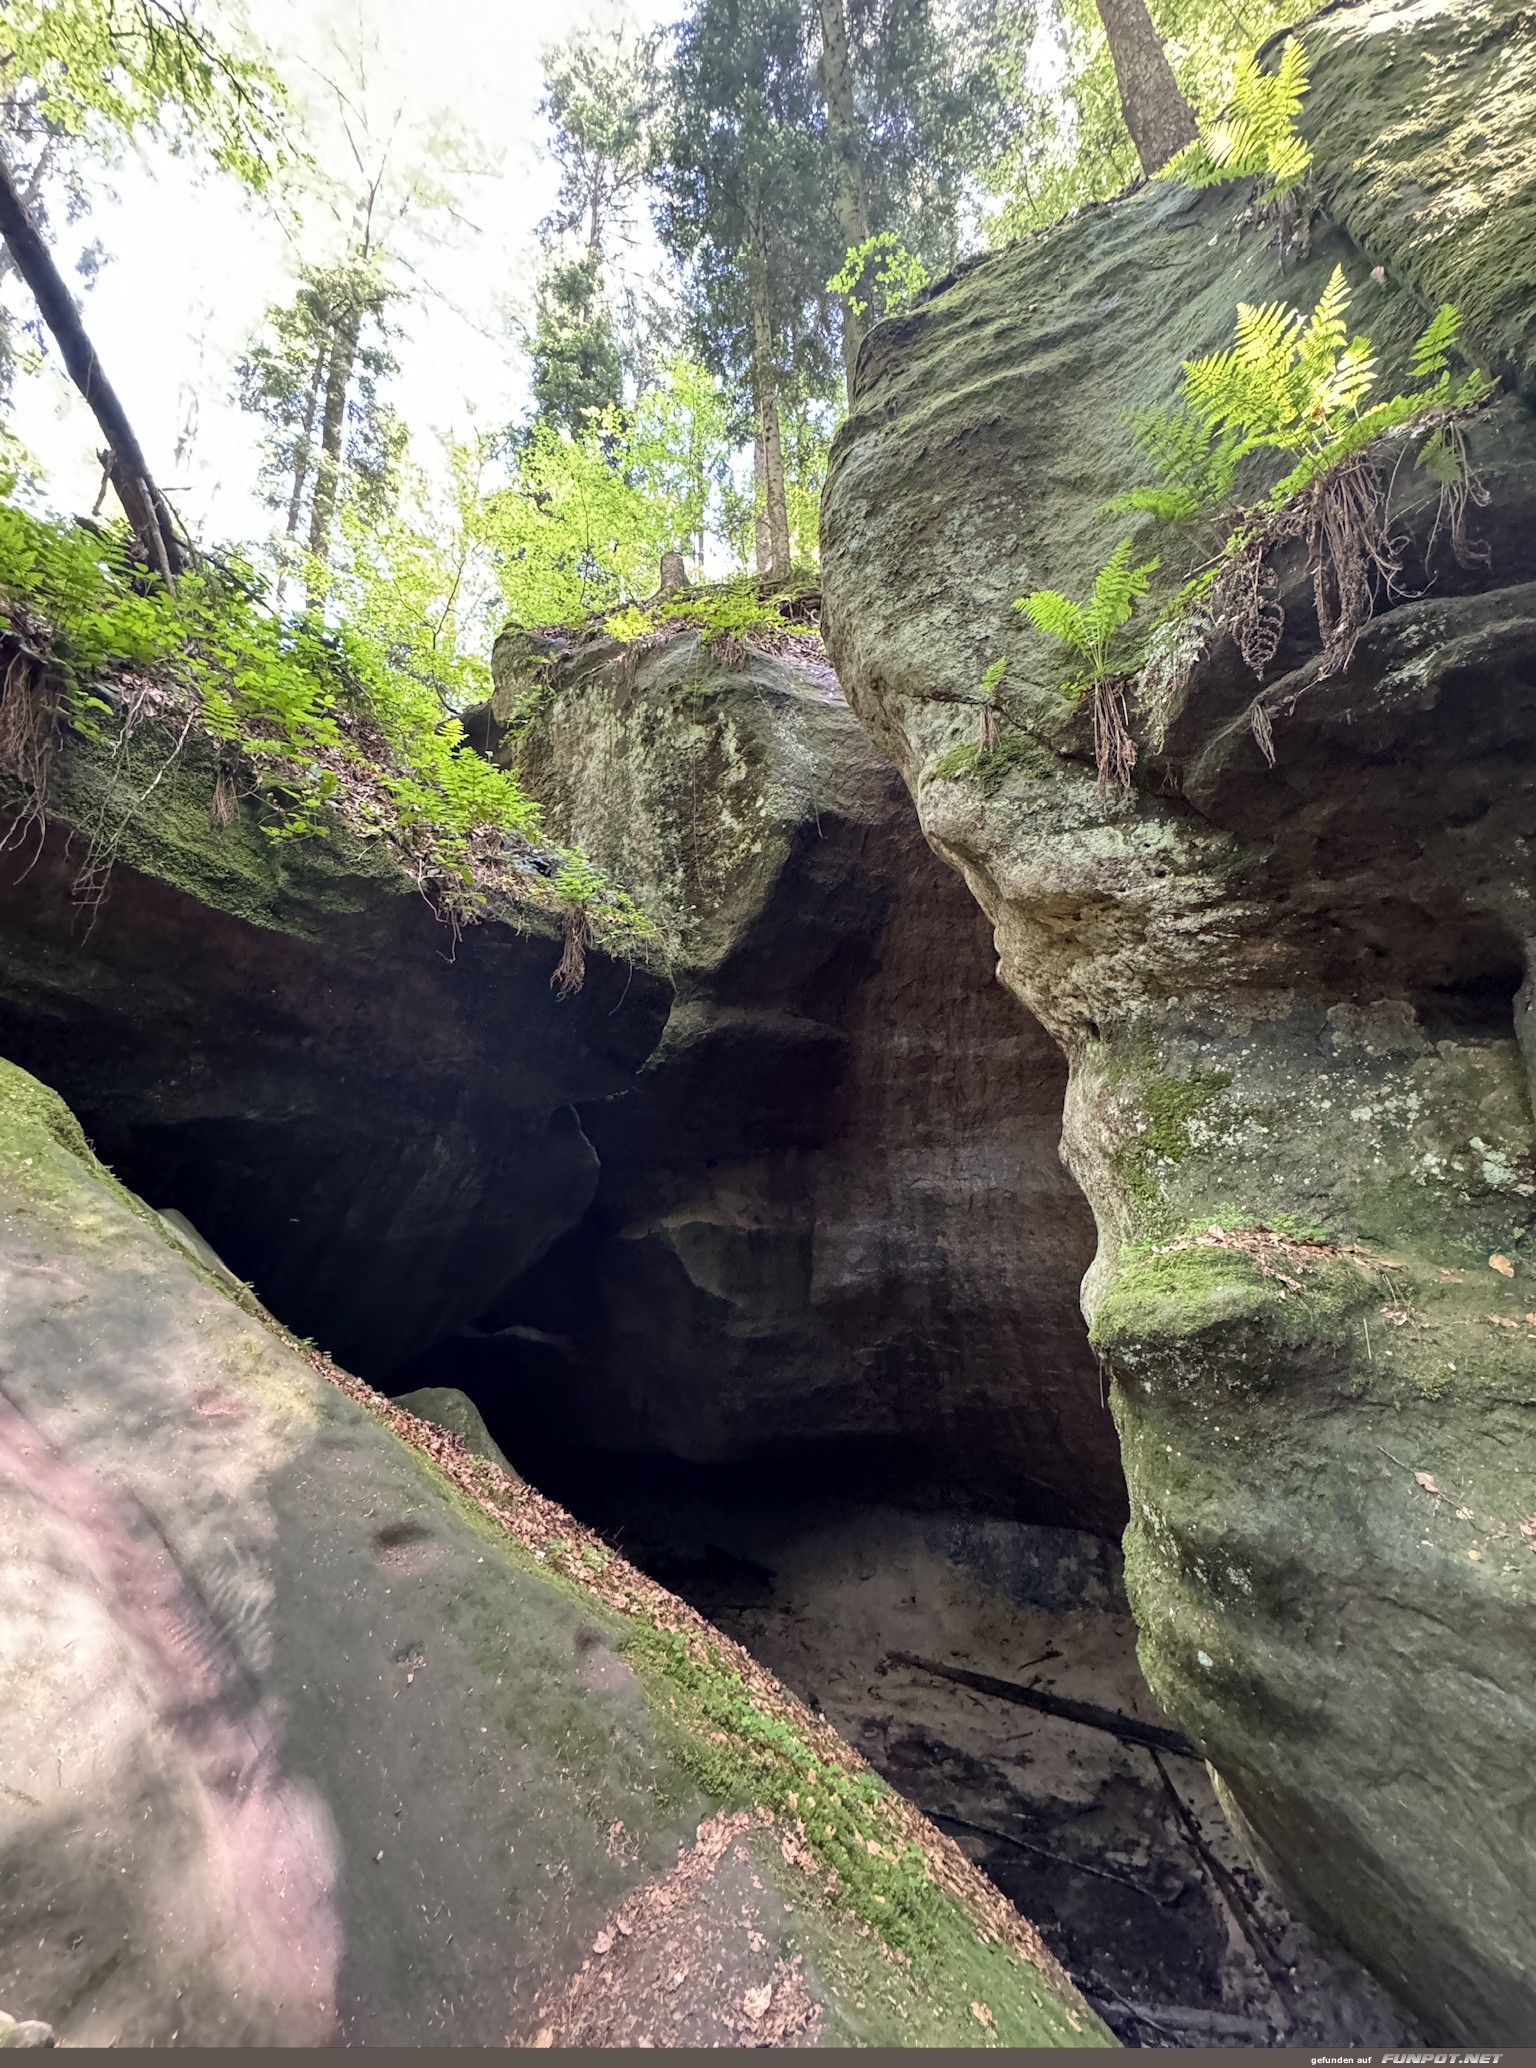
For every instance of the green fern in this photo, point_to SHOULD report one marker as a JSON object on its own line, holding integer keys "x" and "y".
{"x": 1256, "y": 133}
{"x": 1294, "y": 384}
{"x": 1089, "y": 628}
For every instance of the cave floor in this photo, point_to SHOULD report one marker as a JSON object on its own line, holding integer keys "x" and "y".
{"x": 1124, "y": 1860}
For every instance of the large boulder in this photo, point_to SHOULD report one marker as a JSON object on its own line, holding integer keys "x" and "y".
{"x": 366, "y": 1107}
{"x": 321, "y": 1729}
{"x": 831, "y": 1228}
{"x": 1287, "y": 995}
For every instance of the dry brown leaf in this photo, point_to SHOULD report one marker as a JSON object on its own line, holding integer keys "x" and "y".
{"x": 1502, "y": 1265}
{"x": 1427, "y": 1480}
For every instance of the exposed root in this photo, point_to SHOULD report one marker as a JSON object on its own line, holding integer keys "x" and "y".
{"x": 225, "y": 800}
{"x": 571, "y": 970}
{"x": 987, "y": 737}
{"x": 1444, "y": 454}
{"x": 1114, "y": 751}
{"x": 30, "y": 709}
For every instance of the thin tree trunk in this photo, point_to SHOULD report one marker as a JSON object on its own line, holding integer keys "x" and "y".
{"x": 145, "y": 506}
{"x": 1159, "y": 118}
{"x": 301, "y": 457}
{"x": 338, "y": 378}
{"x": 848, "y": 196}
{"x": 768, "y": 448}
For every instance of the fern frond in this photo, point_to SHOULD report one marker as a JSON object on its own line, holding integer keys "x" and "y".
{"x": 1057, "y": 615}
{"x": 1117, "y": 589}
{"x": 1432, "y": 349}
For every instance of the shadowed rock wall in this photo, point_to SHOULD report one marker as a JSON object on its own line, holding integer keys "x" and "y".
{"x": 831, "y": 1226}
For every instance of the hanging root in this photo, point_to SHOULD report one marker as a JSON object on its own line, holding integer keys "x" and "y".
{"x": 1352, "y": 558}
{"x": 1113, "y": 748}
{"x": 30, "y": 703}
{"x": 987, "y": 738}
{"x": 1444, "y": 454}
{"x": 225, "y": 798}
{"x": 1246, "y": 599}
{"x": 571, "y": 970}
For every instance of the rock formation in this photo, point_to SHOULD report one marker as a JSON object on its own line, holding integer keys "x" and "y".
{"x": 366, "y": 1111}
{"x": 325, "y": 1731}
{"x": 831, "y": 1226}
{"x": 1288, "y": 997}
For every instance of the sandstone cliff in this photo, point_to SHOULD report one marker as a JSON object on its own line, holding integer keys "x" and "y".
{"x": 1288, "y": 996}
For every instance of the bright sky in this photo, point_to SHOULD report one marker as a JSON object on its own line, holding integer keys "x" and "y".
{"x": 193, "y": 263}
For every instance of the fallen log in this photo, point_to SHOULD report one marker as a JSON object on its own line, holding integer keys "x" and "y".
{"x": 1155, "y": 1737}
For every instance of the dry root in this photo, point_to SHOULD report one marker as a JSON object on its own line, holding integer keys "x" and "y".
{"x": 1114, "y": 750}
{"x": 29, "y": 730}
{"x": 571, "y": 970}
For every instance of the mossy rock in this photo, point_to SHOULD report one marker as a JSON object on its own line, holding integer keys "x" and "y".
{"x": 465, "y": 1734}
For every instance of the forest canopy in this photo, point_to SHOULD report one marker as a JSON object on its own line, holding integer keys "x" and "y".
{"x": 737, "y": 191}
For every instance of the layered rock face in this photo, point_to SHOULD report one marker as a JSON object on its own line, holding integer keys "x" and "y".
{"x": 1289, "y": 996}
{"x": 831, "y": 1225}
{"x": 366, "y": 1111}
{"x": 322, "y": 1730}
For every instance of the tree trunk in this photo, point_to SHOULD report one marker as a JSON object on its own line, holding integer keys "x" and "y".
{"x": 301, "y": 456}
{"x": 848, "y": 196}
{"x": 338, "y": 378}
{"x": 768, "y": 448}
{"x": 1159, "y": 118}
{"x": 145, "y": 506}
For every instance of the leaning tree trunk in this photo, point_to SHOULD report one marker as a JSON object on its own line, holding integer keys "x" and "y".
{"x": 145, "y": 506}
{"x": 848, "y": 196}
{"x": 768, "y": 446}
{"x": 1156, "y": 113}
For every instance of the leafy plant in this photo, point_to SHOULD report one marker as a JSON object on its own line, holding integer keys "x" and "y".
{"x": 326, "y": 727}
{"x": 1256, "y": 133}
{"x": 883, "y": 272}
{"x": 1089, "y": 628}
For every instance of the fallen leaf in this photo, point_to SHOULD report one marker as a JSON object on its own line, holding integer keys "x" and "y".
{"x": 1454, "y": 1277}
{"x": 980, "y": 2012}
{"x": 1528, "y": 1530}
{"x": 1427, "y": 1479}
{"x": 1463, "y": 1514}
{"x": 1473, "y": 1552}
{"x": 1502, "y": 1265}
{"x": 755, "y": 2002}
{"x": 603, "y": 1943}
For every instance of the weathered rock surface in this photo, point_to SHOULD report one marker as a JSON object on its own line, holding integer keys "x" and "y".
{"x": 831, "y": 1225}
{"x": 318, "y": 1736}
{"x": 366, "y": 1112}
{"x": 1287, "y": 996}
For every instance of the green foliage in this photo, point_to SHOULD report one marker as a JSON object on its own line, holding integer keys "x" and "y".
{"x": 1068, "y": 144}
{"x": 318, "y": 712}
{"x": 578, "y": 375}
{"x": 733, "y": 613}
{"x": 1089, "y": 628}
{"x": 1256, "y": 133}
{"x": 110, "y": 70}
{"x": 1292, "y": 384}
{"x": 879, "y": 276}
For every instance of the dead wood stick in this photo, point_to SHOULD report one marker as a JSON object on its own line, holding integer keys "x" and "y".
{"x": 1028, "y": 1845}
{"x": 1155, "y": 1737}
